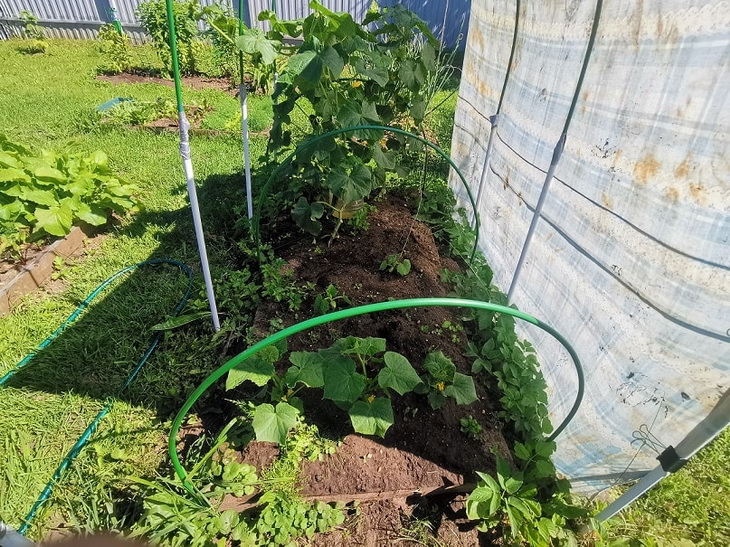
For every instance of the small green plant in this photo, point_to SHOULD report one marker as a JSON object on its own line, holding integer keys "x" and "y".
{"x": 46, "y": 194}
{"x": 328, "y": 300}
{"x": 139, "y": 113}
{"x": 153, "y": 16}
{"x": 34, "y": 40}
{"x": 276, "y": 324}
{"x": 470, "y": 427}
{"x": 59, "y": 268}
{"x": 535, "y": 513}
{"x": 443, "y": 381}
{"x": 279, "y": 284}
{"x": 394, "y": 263}
{"x": 115, "y": 47}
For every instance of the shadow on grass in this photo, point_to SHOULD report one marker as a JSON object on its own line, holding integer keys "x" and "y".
{"x": 94, "y": 355}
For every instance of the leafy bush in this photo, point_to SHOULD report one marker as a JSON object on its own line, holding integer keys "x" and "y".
{"x": 153, "y": 16}
{"x": 35, "y": 39}
{"x": 223, "y": 29}
{"x": 45, "y": 194}
{"x": 116, "y": 50}
{"x": 343, "y": 74}
{"x": 519, "y": 500}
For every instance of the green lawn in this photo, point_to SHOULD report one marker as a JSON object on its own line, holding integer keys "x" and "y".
{"x": 46, "y": 101}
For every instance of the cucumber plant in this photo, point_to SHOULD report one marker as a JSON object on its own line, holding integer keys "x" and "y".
{"x": 443, "y": 381}
{"x": 343, "y": 74}
{"x": 357, "y": 374}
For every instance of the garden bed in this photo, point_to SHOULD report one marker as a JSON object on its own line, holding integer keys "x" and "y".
{"x": 425, "y": 450}
{"x": 18, "y": 279}
{"x": 194, "y": 82}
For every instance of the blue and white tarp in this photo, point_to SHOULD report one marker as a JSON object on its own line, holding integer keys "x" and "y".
{"x": 631, "y": 259}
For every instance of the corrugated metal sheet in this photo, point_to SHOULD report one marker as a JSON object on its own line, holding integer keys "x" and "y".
{"x": 81, "y": 18}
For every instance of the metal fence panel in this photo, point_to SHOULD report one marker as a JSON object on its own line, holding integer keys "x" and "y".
{"x": 82, "y": 18}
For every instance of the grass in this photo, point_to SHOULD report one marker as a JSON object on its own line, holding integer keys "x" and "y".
{"x": 690, "y": 507}
{"x": 46, "y": 101}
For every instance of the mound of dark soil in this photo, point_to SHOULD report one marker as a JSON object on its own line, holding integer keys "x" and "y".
{"x": 425, "y": 449}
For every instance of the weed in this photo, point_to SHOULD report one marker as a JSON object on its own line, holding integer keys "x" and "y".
{"x": 327, "y": 301}
{"x": 278, "y": 283}
{"x": 34, "y": 40}
{"x": 59, "y": 268}
{"x": 518, "y": 499}
{"x": 470, "y": 427}
{"x": 276, "y": 324}
{"x": 394, "y": 263}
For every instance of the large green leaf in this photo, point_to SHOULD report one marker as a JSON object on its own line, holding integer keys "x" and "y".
{"x": 98, "y": 158}
{"x": 308, "y": 368}
{"x": 428, "y": 57}
{"x": 372, "y": 418}
{"x": 386, "y": 160}
{"x": 308, "y": 66}
{"x": 439, "y": 366}
{"x": 49, "y": 174}
{"x": 41, "y": 197}
{"x": 398, "y": 374}
{"x": 462, "y": 390}
{"x": 378, "y": 74}
{"x": 412, "y": 74}
{"x": 273, "y": 424}
{"x": 350, "y": 185}
{"x": 259, "y": 368}
{"x": 56, "y": 220}
{"x": 353, "y": 114}
{"x": 341, "y": 381}
{"x": 482, "y": 503}
{"x": 362, "y": 346}
{"x": 307, "y": 216}
{"x": 255, "y": 41}
{"x": 8, "y": 161}
{"x": 96, "y": 216}
{"x": 12, "y": 174}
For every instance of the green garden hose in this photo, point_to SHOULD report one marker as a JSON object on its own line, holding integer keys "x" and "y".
{"x": 352, "y": 312}
{"x": 84, "y": 439}
{"x": 256, "y": 228}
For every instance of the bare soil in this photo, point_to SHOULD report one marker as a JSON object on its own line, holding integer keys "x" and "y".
{"x": 195, "y": 82}
{"x": 424, "y": 449}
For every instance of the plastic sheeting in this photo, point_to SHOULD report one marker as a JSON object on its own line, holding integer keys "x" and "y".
{"x": 631, "y": 257}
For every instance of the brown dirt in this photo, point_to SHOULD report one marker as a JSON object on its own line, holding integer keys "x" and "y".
{"x": 195, "y": 82}
{"x": 425, "y": 448}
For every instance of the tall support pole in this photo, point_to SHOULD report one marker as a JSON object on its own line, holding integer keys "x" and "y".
{"x": 673, "y": 459}
{"x": 557, "y": 153}
{"x": 243, "y": 95}
{"x": 188, "y": 168}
